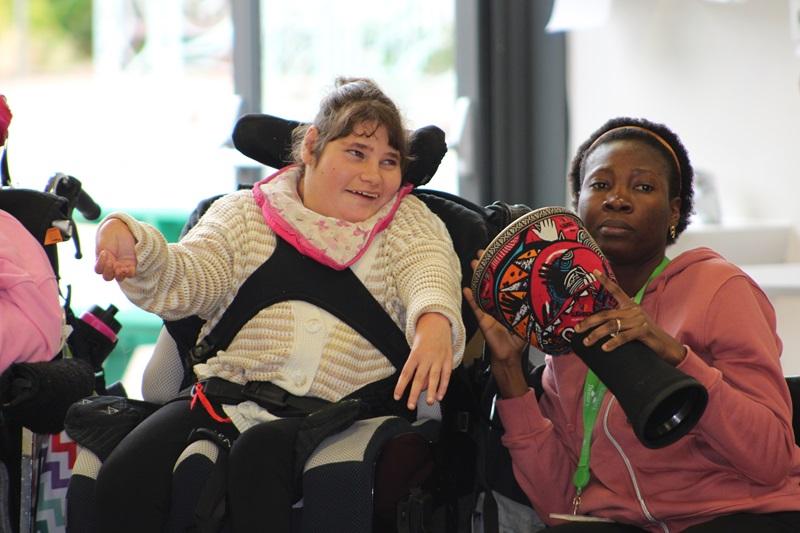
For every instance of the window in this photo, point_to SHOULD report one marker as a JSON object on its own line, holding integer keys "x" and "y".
{"x": 135, "y": 99}
{"x": 406, "y": 47}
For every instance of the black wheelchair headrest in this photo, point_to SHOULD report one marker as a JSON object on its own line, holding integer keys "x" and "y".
{"x": 268, "y": 140}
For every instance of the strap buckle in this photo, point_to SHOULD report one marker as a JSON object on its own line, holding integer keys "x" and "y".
{"x": 266, "y": 393}
{"x": 198, "y": 393}
{"x": 201, "y": 352}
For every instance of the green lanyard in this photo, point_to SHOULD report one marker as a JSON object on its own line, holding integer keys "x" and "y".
{"x": 593, "y": 393}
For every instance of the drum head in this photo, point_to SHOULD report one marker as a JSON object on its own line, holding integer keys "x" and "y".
{"x": 536, "y": 278}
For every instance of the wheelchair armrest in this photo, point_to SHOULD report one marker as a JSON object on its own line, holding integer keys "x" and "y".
{"x": 38, "y": 395}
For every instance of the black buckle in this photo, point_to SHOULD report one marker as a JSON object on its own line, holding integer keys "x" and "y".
{"x": 201, "y": 352}
{"x": 216, "y": 437}
{"x": 219, "y": 390}
{"x": 266, "y": 394}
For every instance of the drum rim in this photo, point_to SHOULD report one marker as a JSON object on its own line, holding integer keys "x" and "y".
{"x": 506, "y": 234}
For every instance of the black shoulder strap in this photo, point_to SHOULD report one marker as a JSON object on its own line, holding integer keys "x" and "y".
{"x": 289, "y": 275}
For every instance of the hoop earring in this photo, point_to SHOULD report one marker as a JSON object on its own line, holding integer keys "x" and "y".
{"x": 673, "y": 232}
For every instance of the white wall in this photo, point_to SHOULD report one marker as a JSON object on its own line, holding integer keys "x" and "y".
{"x": 725, "y": 77}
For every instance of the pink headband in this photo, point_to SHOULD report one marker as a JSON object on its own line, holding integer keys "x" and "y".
{"x": 653, "y": 134}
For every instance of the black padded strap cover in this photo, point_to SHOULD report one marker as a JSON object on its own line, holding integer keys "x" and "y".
{"x": 5, "y": 177}
{"x": 289, "y": 275}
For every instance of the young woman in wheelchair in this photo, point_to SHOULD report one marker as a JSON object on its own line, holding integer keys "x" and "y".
{"x": 738, "y": 469}
{"x": 344, "y": 205}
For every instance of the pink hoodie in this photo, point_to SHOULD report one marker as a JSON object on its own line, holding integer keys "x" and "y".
{"x": 740, "y": 457}
{"x": 30, "y": 313}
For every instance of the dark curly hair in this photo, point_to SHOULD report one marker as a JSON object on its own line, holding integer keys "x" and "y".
{"x": 681, "y": 179}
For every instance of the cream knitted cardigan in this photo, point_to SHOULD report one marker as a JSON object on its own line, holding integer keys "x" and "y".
{"x": 414, "y": 271}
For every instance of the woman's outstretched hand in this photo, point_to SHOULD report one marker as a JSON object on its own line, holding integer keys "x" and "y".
{"x": 115, "y": 251}
{"x": 626, "y": 323}
{"x": 505, "y": 348}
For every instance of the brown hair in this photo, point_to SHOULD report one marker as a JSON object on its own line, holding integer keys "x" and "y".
{"x": 352, "y": 102}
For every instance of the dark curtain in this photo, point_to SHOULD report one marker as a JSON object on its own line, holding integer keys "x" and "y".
{"x": 515, "y": 147}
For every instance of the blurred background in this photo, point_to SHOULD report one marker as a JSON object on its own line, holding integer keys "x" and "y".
{"x": 137, "y": 99}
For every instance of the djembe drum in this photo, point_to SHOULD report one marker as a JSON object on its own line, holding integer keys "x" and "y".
{"x": 536, "y": 278}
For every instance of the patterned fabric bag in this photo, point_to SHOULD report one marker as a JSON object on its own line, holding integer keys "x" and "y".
{"x": 57, "y": 457}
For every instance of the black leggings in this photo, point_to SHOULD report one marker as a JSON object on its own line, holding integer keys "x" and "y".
{"x": 134, "y": 483}
{"x": 783, "y": 522}
{"x": 261, "y": 484}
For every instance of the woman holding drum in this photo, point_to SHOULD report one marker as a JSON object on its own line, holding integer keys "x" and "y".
{"x": 573, "y": 450}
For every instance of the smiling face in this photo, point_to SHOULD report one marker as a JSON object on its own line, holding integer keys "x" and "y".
{"x": 354, "y": 175}
{"x": 624, "y": 201}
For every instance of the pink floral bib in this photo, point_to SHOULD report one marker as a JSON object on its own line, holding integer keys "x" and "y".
{"x": 330, "y": 241}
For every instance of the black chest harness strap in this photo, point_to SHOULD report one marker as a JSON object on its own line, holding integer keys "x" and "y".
{"x": 289, "y": 275}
